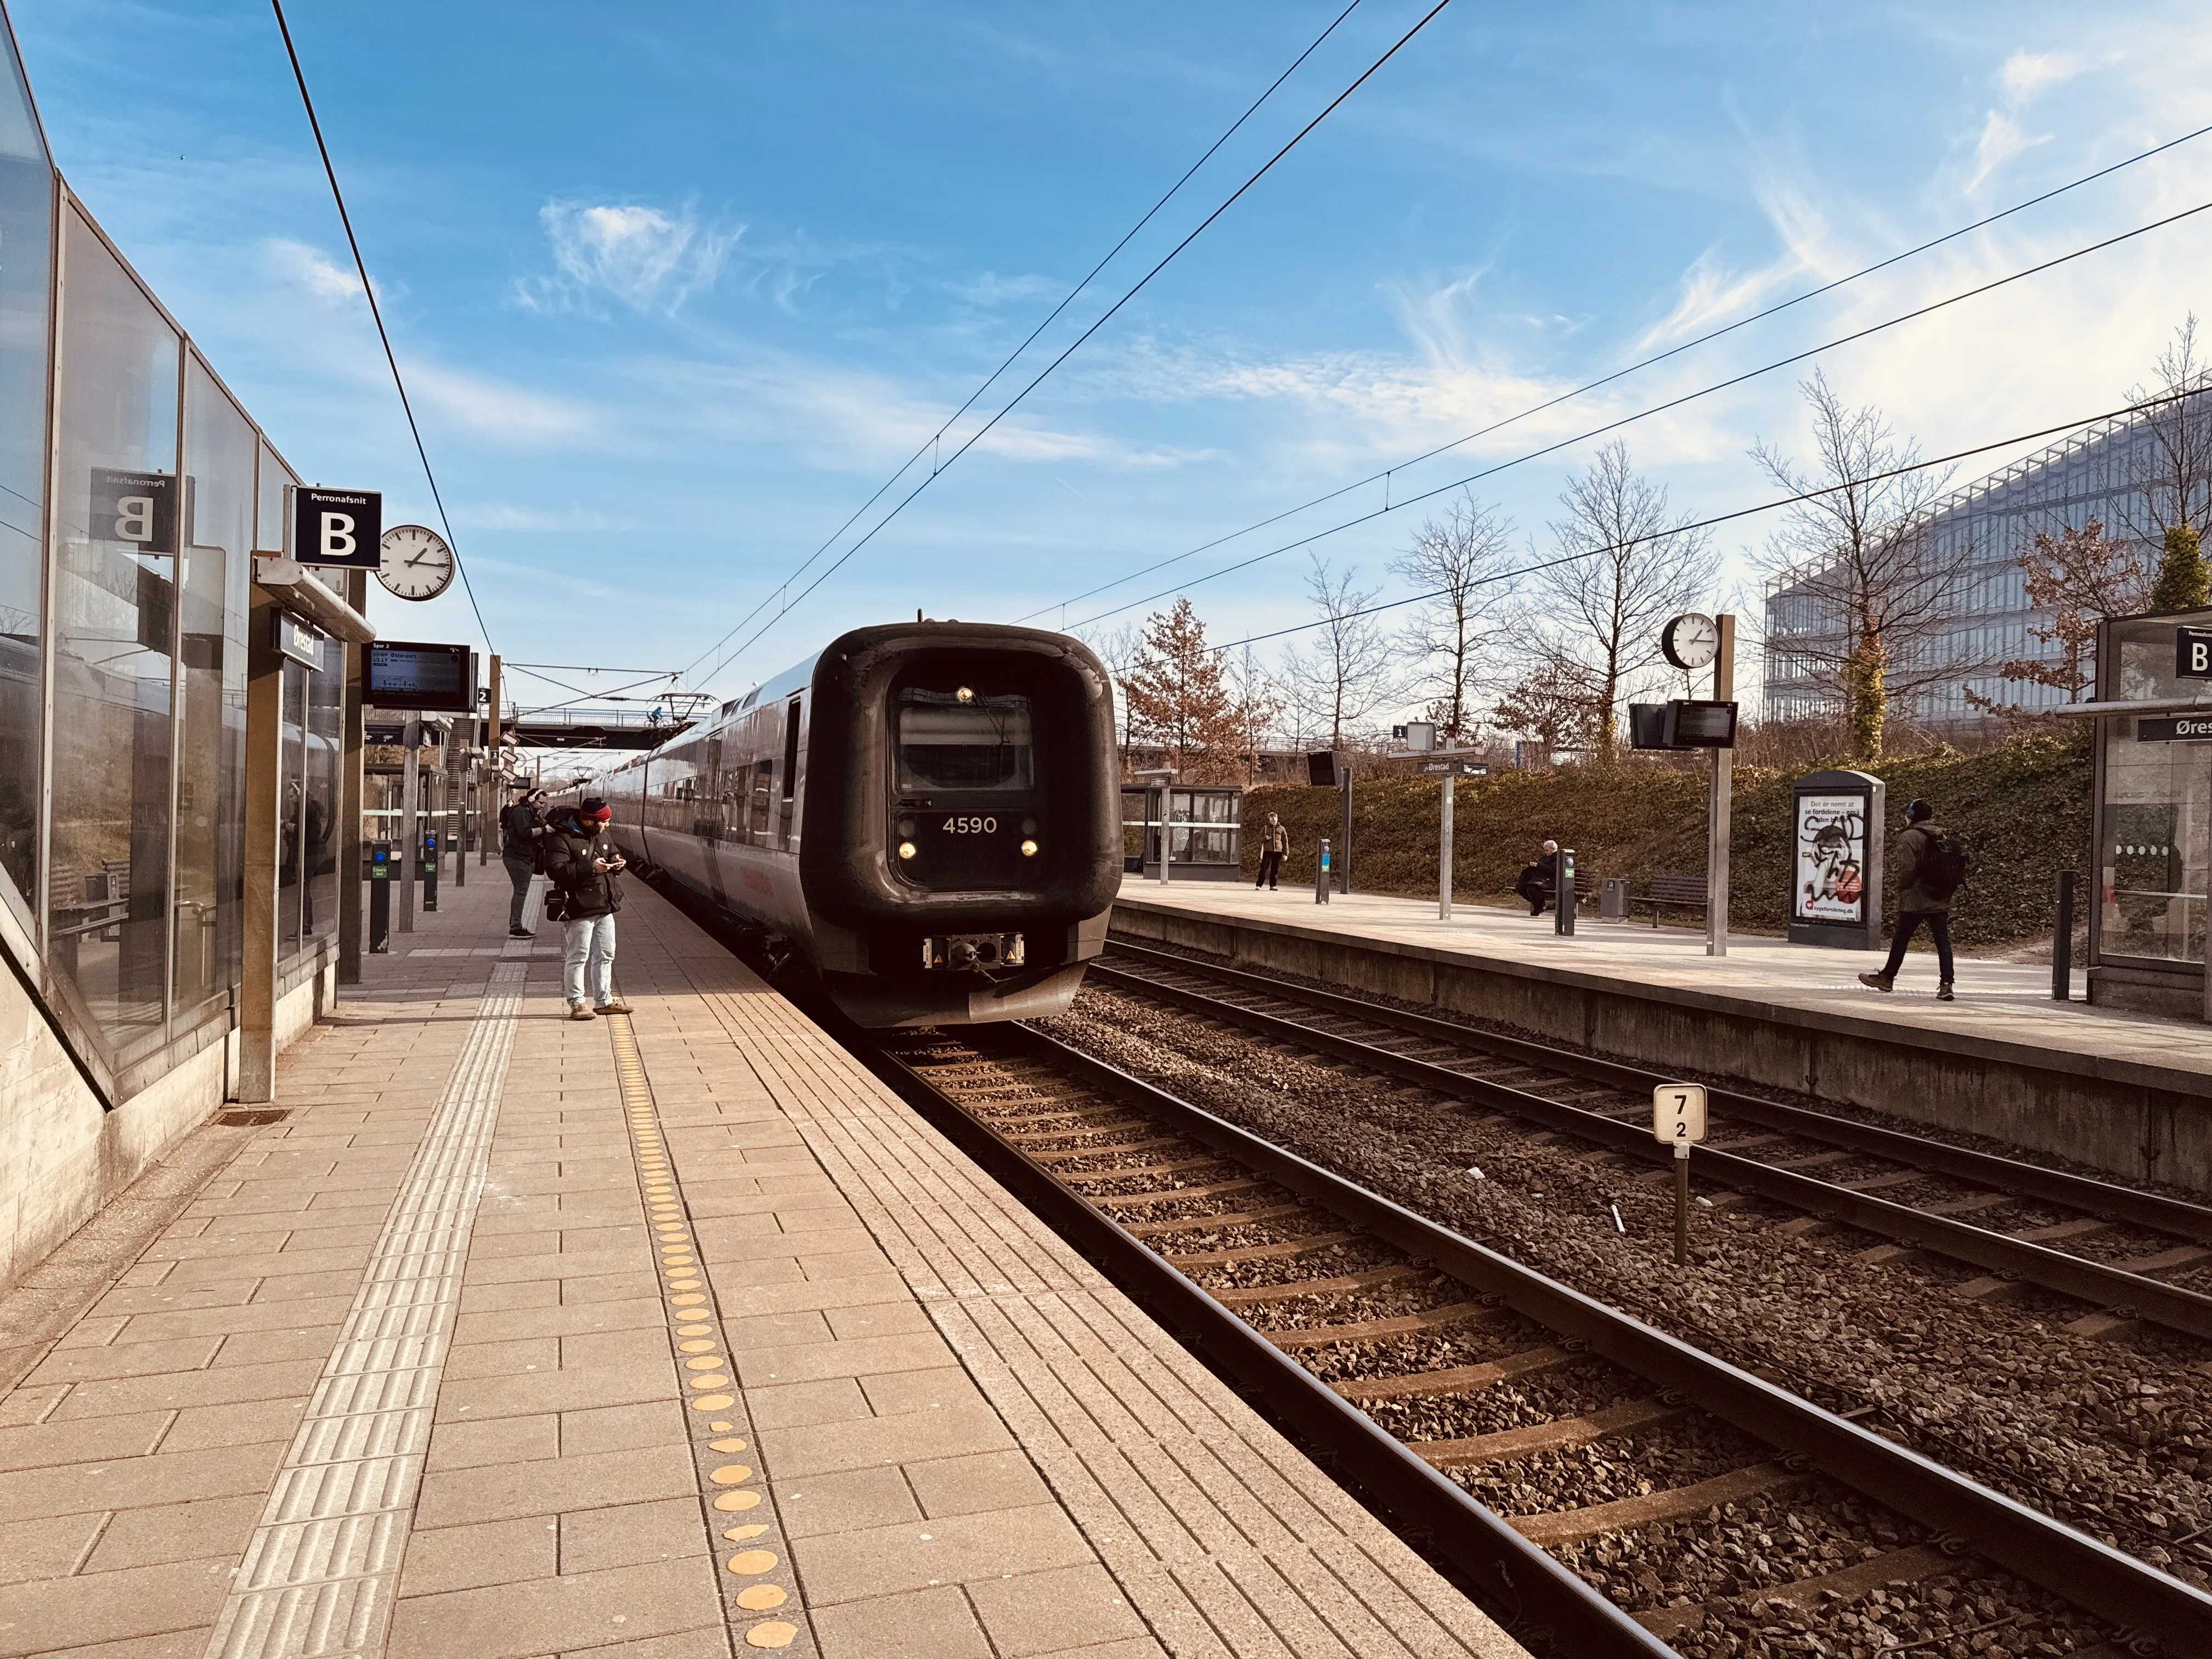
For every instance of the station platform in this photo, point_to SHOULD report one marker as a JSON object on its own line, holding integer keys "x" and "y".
{"x": 665, "y": 1335}
{"x": 2125, "y": 1092}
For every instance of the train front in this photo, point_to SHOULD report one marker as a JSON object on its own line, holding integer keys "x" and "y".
{"x": 962, "y": 843}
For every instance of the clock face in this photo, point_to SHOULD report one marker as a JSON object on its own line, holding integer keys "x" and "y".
{"x": 417, "y": 562}
{"x": 1691, "y": 642}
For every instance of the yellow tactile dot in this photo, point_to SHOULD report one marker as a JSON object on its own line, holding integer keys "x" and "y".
{"x": 693, "y": 1330}
{"x": 695, "y": 1347}
{"x": 738, "y": 1534}
{"x": 687, "y": 1301}
{"x": 759, "y": 1598}
{"x": 713, "y": 1402}
{"x": 683, "y": 1284}
{"x": 753, "y": 1563}
{"x": 728, "y": 1501}
{"x": 771, "y": 1633}
{"x": 726, "y": 1445}
{"x": 710, "y": 1362}
{"x": 713, "y": 1381}
{"x": 730, "y": 1475}
{"x": 722, "y": 1428}
{"x": 679, "y": 1261}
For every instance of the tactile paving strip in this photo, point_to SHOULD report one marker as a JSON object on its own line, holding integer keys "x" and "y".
{"x": 753, "y": 1561}
{"x": 318, "y": 1576}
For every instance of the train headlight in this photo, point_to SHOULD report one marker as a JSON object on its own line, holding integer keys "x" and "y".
{"x": 906, "y": 849}
{"x": 965, "y": 694}
{"x": 1029, "y": 849}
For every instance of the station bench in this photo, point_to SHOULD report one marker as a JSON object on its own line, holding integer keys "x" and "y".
{"x": 1661, "y": 892}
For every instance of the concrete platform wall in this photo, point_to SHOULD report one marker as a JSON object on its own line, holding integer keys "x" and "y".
{"x": 62, "y": 1156}
{"x": 2137, "y": 1120}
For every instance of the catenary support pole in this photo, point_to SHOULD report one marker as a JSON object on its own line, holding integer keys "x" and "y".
{"x": 410, "y": 817}
{"x": 351, "y": 784}
{"x": 1719, "y": 812}
{"x": 265, "y": 732}
{"x": 1444, "y": 856}
{"x": 2062, "y": 944}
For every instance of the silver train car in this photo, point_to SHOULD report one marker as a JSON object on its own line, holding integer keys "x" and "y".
{"x": 924, "y": 819}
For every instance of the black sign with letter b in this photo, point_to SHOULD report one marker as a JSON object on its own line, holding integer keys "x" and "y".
{"x": 338, "y": 527}
{"x": 2192, "y": 654}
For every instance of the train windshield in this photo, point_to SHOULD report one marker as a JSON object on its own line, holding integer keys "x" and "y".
{"x": 962, "y": 740}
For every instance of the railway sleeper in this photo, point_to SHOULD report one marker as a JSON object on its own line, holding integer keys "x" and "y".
{"x": 1909, "y": 1566}
{"x": 1459, "y": 1379}
{"x": 1198, "y": 1223}
{"x": 1289, "y": 1290}
{"x": 1287, "y": 1249}
{"x": 1555, "y": 1436}
{"x": 1169, "y": 1194}
{"x": 1369, "y": 1330}
{"x": 1677, "y": 1503}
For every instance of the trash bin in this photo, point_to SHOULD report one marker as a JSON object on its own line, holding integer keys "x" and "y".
{"x": 1612, "y": 899}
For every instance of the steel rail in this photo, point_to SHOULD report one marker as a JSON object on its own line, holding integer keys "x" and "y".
{"x": 2125, "y": 1294}
{"x": 2086, "y": 1193}
{"x": 2093, "y": 1576}
{"x": 1546, "y": 1603}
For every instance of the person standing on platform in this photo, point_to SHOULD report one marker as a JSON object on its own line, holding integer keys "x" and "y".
{"x": 585, "y": 865}
{"x": 522, "y": 850}
{"x": 1931, "y": 867}
{"x": 1274, "y": 843}
{"x": 1539, "y": 879}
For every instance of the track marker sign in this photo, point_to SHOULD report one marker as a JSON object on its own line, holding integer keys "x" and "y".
{"x": 1678, "y": 1117}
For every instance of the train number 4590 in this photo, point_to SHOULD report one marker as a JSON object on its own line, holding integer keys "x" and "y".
{"x": 971, "y": 826}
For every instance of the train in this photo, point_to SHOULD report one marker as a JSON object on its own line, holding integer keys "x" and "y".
{"x": 922, "y": 820}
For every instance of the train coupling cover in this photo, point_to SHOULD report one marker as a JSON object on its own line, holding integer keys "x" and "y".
{"x": 962, "y": 952}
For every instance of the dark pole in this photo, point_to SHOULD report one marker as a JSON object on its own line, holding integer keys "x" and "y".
{"x": 1681, "y": 1203}
{"x": 1563, "y": 891}
{"x": 2062, "y": 941}
{"x": 1344, "y": 844}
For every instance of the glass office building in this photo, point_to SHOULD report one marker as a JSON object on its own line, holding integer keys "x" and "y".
{"x": 1980, "y": 530}
{"x": 134, "y": 489}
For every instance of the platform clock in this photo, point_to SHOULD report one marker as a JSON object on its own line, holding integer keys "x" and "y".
{"x": 416, "y": 563}
{"x": 1691, "y": 641}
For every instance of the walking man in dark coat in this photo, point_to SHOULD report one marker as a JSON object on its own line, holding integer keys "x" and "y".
{"x": 522, "y": 850}
{"x": 1274, "y": 842}
{"x": 1924, "y": 895}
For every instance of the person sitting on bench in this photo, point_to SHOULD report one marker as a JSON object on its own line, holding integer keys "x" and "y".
{"x": 1540, "y": 878}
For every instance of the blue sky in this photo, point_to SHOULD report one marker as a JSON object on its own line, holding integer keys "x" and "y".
{"x": 677, "y": 287}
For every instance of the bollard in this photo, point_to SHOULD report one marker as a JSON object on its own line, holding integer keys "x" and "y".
{"x": 380, "y": 898}
{"x": 1563, "y": 893}
{"x": 1321, "y": 875}
{"x": 2062, "y": 942}
{"x": 429, "y": 871}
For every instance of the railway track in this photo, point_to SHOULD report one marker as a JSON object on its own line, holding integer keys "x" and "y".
{"x": 1917, "y": 1191}
{"x": 1606, "y": 1488}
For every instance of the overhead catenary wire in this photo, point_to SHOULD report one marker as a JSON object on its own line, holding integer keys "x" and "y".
{"x": 1384, "y": 476}
{"x": 1656, "y": 408}
{"x": 930, "y": 445}
{"x": 1730, "y": 517}
{"x": 1076, "y": 344}
{"x": 376, "y": 312}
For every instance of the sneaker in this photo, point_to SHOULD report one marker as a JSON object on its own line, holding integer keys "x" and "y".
{"x": 612, "y": 1008}
{"x": 1943, "y": 992}
{"x": 580, "y": 1012}
{"x": 1878, "y": 981}
{"x": 520, "y": 932}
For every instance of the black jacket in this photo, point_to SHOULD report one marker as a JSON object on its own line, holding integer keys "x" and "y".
{"x": 522, "y": 834}
{"x": 570, "y": 849}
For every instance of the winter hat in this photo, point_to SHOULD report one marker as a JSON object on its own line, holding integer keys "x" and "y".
{"x": 1918, "y": 811}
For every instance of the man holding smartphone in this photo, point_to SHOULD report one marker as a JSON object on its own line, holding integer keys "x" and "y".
{"x": 584, "y": 865}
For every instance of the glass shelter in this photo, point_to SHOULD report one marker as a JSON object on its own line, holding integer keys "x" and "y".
{"x": 2151, "y": 828}
{"x": 1200, "y": 823}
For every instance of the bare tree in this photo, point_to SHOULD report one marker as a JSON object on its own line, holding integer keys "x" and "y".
{"x": 1121, "y": 650}
{"x": 1256, "y": 703}
{"x": 1870, "y": 586}
{"x": 1341, "y": 675}
{"x": 1629, "y": 567}
{"x": 1555, "y": 703}
{"x": 1462, "y": 561}
{"x": 2171, "y": 469}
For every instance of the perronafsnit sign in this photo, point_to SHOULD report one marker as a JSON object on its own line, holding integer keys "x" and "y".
{"x": 342, "y": 527}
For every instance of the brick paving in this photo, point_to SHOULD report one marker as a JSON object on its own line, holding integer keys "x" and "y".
{"x": 744, "y": 1355}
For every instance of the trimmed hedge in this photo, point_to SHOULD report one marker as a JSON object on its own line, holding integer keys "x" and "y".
{"x": 2023, "y": 807}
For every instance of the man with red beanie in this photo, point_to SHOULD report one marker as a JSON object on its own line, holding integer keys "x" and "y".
{"x": 583, "y": 863}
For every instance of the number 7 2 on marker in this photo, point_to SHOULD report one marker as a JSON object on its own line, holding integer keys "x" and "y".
{"x": 1678, "y": 1112}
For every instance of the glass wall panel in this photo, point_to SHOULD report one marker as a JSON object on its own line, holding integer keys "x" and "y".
{"x": 114, "y": 629}
{"x": 318, "y": 808}
{"x": 211, "y": 885}
{"x": 269, "y": 528}
{"x": 27, "y": 192}
{"x": 291, "y": 791}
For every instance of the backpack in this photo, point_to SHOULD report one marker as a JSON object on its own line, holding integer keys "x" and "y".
{"x": 1943, "y": 866}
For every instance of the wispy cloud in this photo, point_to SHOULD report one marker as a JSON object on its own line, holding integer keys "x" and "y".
{"x": 649, "y": 259}
{"x": 992, "y": 289}
{"x": 2026, "y": 73}
{"x": 551, "y": 521}
{"x": 310, "y": 270}
{"x": 513, "y": 415}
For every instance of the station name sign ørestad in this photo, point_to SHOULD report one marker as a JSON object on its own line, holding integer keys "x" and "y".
{"x": 2173, "y": 728}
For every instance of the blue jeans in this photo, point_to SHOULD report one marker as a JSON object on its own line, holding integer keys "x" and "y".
{"x": 591, "y": 942}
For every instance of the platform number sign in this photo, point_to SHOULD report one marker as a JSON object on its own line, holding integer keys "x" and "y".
{"x": 1678, "y": 1113}
{"x": 2192, "y": 654}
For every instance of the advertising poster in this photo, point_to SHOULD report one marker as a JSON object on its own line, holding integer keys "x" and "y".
{"x": 1830, "y": 885}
